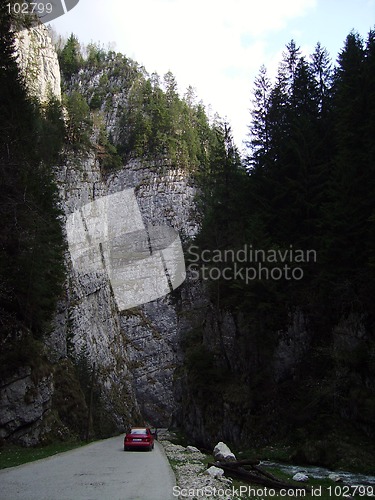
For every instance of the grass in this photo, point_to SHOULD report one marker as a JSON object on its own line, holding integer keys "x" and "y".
{"x": 12, "y": 455}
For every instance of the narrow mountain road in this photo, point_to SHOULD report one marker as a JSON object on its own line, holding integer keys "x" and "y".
{"x": 101, "y": 470}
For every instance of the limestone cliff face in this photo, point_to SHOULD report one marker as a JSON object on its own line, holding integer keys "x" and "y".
{"x": 87, "y": 323}
{"x": 133, "y": 354}
{"x": 134, "y": 350}
{"x": 26, "y": 407}
{"x": 166, "y": 197}
{"x": 38, "y": 62}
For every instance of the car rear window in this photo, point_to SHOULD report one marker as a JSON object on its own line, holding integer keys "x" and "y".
{"x": 138, "y": 431}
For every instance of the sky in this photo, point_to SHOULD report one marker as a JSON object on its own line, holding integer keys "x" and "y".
{"x": 216, "y": 46}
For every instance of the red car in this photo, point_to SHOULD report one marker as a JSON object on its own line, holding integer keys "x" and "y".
{"x": 139, "y": 437}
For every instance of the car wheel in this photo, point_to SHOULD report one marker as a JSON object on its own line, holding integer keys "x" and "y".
{"x": 125, "y": 448}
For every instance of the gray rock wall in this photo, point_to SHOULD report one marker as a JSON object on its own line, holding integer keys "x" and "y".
{"x": 38, "y": 62}
{"x": 135, "y": 348}
{"x": 25, "y": 403}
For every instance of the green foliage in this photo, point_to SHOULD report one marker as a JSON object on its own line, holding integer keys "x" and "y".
{"x": 109, "y": 159}
{"x": 159, "y": 124}
{"x": 79, "y": 122}
{"x": 70, "y": 57}
{"x": 19, "y": 350}
{"x": 154, "y": 122}
{"x": 68, "y": 399}
{"x": 96, "y": 55}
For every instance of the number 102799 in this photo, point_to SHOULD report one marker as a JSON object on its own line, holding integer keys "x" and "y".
{"x": 38, "y": 8}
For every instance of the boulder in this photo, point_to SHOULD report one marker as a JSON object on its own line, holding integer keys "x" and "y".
{"x": 192, "y": 449}
{"x": 222, "y": 453}
{"x": 215, "y": 472}
{"x": 335, "y": 477}
{"x": 301, "y": 477}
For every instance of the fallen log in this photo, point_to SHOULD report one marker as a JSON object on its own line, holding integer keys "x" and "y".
{"x": 241, "y": 463}
{"x": 265, "y": 473}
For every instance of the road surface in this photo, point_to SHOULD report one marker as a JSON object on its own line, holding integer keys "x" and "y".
{"x": 101, "y": 470}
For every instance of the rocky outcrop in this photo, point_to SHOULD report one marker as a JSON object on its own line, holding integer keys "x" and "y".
{"x": 25, "y": 403}
{"x": 132, "y": 355}
{"x": 38, "y": 62}
{"x": 165, "y": 197}
{"x": 87, "y": 324}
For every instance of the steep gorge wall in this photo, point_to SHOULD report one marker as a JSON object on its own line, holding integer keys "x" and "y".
{"x": 192, "y": 363}
{"x": 26, "y": 395}
{"x": 130, "y": 355}
{"x": 135, "y": 351}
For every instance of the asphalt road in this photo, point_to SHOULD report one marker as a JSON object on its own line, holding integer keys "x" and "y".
{"x": 101, "y": 470}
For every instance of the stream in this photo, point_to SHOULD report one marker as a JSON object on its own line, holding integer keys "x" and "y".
{"x": 349, "y": 478}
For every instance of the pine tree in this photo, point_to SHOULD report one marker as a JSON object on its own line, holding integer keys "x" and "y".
{"x": 346, "y": 177}
{"x": 70, "y": 58}
{"x": 221, "y": 186}
{"x": 321, "y": 68}
{"x": 79, "y": 123}
{"x": 259, "y": 133}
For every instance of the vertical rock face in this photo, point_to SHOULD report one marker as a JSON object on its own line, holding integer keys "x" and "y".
{"x": 134, "y": 353}
{"x": 137, "y": 347}
{"x": 25, "y": 403}
{"x": 38, "y": 62}
{"x": 26, "y": 395}
{"x": 165, "y": 197}
{"x": 88, "y": 319}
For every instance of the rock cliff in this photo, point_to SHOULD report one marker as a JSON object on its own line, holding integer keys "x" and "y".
{"x": 136, "y": 349}
{"x": 38, "y": 62}
{"x": 131, "y": 356}
{"x": 26, "y": 395}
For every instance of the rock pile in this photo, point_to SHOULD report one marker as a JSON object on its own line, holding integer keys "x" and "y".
{"x": 191, "y": 470}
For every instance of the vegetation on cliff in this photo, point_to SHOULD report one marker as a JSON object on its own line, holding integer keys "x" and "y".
{"x": 138, "y": 115}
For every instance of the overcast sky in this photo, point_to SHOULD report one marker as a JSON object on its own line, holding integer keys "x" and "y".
{"x": 216, "y": 46}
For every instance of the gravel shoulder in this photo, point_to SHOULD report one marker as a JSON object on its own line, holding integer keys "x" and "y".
{"x": 190, "y": 467}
